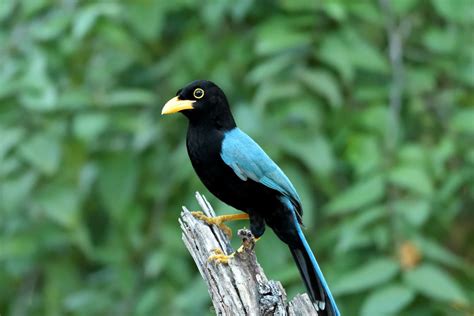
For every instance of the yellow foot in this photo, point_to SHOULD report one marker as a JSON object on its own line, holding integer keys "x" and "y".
{"x": 241, "y": 249}
{"x": 248, "y": 243}
{"x": 219, "y": 220}
{"x": 220, "y": 257}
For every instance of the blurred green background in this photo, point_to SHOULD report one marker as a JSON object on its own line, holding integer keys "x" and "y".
{"x": 366, "y": 105}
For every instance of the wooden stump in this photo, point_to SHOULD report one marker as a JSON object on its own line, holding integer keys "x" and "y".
{"x": 241, "y": 287}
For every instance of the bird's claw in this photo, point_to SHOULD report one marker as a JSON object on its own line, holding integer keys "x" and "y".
{"x": 213, "y": 221}
{"x": 220, "y": 257}
{"x": 248, "y": 243}
{"x": 200, "y": 215}
{"x": 248, "y": 240}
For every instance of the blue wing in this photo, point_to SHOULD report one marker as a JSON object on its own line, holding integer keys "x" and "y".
{"x": 249, "y": 161}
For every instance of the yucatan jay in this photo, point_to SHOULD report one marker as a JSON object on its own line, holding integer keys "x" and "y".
{"x": 238, "y": 172}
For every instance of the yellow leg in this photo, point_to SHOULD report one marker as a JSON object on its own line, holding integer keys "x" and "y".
{"x": 220, "y": 257}
{"x": 219, "y": 220}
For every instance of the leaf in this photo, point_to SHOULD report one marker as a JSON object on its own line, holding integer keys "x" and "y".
{"x": 278, "y": 35}
{"x": 420, "y": 81}
{"x": 439, "y": 156}
{"x": 148, "y": 301}
{"x": 86, "y": 18}
{"x": 129, "y": 97}
{"x": 298, "y": 5}
{"x": 42, "y": 98}
{"x": 389, "y": 300}
{"x": 335, "y": 10}
{"x": 361, "y": 194}
{"x": 363, "y": 152}
{"x": 154, "y": 264}
{"x": 43, "y": 152}
{"x": 352, "y": 240}
{"x": 29, "y": 8}
{"x": 195, "y": 292}
{"x": 364, "y": 54}
{"x": 60, "y": 203}
{"x": 51, "y": 27}
{"x": 436, "y": 252}
{"x": 415, "y": 211}
{"x": 9, "y": 139}
{"x": 369, "y": 275}
{"x": 241, "y": 9}
{"x": 453, "y": 183}
{"x": 6, "y": 8}
{"x": 38, "y": 92}
{"x": 324, "y": 84}
{"x": 368, "y": 13}
{"x": 146, "y": 18}
{"x": 88, "y": 300}
{"x": 360, "y": 221}
{"x": 413, "y": 154}
{"x": 441, "y": 40}
{"x": 118, "y": 181}
{"x": 455, "y": 11}
{"x": 89, "y": 126}
{"x": 402, "y": 7}
{"x": 307, "y": 150}
{"x": 269, "y": 92}
{"x": 10, "y": 165}
{"x": 463, "y": 121}
{"x": 414, "y": 179}
{"x": 269, "y": 68}
{"x": 214, "y": 15}
{"x": 465, "y": 72}
{"x": 435, "y": 283}
{"x": 336, "y": 53}
{"x": 354, "y": 232}
{"x": 15, "y": 192}
{"x": 375, "y": 119}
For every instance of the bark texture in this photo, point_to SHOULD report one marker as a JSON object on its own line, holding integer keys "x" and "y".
{"x": 241, "y": 287}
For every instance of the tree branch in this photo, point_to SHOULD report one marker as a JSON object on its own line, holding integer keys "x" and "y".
{"x": 241, "y": 287}
{"x": 396, "y": 31}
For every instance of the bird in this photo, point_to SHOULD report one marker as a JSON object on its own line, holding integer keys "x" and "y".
{"x": 235, "y": 169}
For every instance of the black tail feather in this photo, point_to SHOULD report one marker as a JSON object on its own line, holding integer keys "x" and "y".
{"x": 314, "y": 281}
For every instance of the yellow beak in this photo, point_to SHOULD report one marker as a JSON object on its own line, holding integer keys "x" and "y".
{"x": 175, "y": 105}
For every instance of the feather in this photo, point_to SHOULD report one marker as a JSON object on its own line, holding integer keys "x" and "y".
{"x": 249, "y": 161}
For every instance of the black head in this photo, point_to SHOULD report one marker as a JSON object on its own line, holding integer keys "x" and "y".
{"x": 202, "y": 102}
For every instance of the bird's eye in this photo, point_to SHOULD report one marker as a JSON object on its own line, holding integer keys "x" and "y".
{"x": 198, "y": 93}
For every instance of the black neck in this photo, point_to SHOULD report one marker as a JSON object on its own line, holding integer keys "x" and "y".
{"x": 220, "y": 118}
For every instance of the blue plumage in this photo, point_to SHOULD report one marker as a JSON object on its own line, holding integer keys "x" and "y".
{"x": 315, "y": 264}
{"x": 248, "y": 160}
{"x": 238, "y": 172}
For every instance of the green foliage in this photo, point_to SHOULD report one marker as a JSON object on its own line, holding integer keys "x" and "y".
{"x": 433, "y": 282}
{"x": 92, "y": 178}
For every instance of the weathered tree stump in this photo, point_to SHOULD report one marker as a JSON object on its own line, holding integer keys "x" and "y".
{"x": 241, "y": 287}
